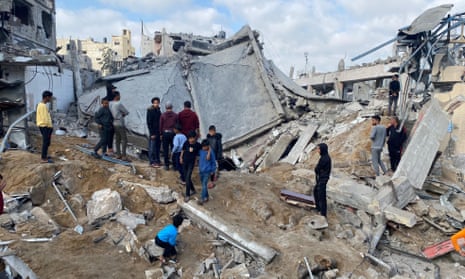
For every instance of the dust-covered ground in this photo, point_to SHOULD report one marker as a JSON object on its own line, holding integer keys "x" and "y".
{"x": 249, "y": 201}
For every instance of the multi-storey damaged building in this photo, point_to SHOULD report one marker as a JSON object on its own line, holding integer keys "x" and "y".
{"x": 28, "y": 64}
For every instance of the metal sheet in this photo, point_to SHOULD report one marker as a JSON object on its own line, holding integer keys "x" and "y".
{"x": 428, "y": 19}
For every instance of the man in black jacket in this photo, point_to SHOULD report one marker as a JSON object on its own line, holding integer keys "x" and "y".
{"x": 395, "y": 142}
{"x": 104, "y": 120}
{"x": 394, "y": 89}
{"x": 322, "y": 173}
{"x": 153, "y": 123}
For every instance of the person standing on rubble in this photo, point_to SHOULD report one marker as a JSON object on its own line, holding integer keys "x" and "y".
{"x": 395, "y": 142}
{"x": 215, "y": 140}
{"x": 153, "y": 123}
{"x": 189, "y": 120}
{"x": 119, "y": 111}
{"x": 189, "y": 153}
{"x": 2, "y": 186}
{"x": 104, "y": 120}
{"x": 207, "y": 166}
{"x": 178, "y": 142}
{"x": 322, "y": 174}
{"x": 167, "y": 122}
{"x": 377, "y": 136}
{"x": 166, "y": 239}
{"x": 44, "y": 122}
{"x": 394, "y": 89}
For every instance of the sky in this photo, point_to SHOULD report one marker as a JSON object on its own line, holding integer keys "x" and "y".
{"x": 299, "y": 33}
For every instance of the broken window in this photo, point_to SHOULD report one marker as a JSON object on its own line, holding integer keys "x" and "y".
{"x": 47, "y": 24}
{"x": 116, "y": 43}
{"x": 22, "y": 11}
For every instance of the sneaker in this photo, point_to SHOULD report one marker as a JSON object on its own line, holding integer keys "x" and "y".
{"x": 186, "y": 199}
{"x": 155, "y": 165}
{"x": 182, "y": 182}
{"x": 96, "y": 155}
{"x": 193, "y": 192}
{"x": 173, "y": 261}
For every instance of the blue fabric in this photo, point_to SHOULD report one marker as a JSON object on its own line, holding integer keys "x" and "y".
{"x": 207, "y": 166}
{"x": 168, "y": 234}
{"x": 204, "y": 179}
{"x": 178, "y": 141}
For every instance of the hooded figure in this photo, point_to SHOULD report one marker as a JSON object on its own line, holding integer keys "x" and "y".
{"x": 322, "y": 173}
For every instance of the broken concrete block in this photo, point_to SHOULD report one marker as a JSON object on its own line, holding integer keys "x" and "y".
{"x": 169, "y": 271}
{"x": 6, "y": 222}
{"x": 160, "y": 194}
{"x": 420, "y": 208}
{"x": 262, "y": 209}
{"x": 383, "y": 180}
{"x": 37, "y": 193}
{"x": 237, "y": 272}
{"x": 346, "y": 216}
{"x": 344, "y": 232}
{"x": 209, "y": 262}
{"x": 154, "y": 273}
{"x": 400, "y": 216}
{"x": 277, "y": 150}
{"x": 103, "y": 204}
{"x": 151, "y": 249}
{"x": 45, "y": 219}
{"x": 315, "y": 222}
{"x": 130, "y": 220}
{"x": 330, "y": 274}
{"x": 238, "y": 256}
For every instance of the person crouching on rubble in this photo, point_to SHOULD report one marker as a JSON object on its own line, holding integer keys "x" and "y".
{"x": 2, "y": 186}
{"x": 322, "y": 173}
{"x": 104, "y": 119}
{"x": 166, "y": 238}
{"x": 207, "y": 166}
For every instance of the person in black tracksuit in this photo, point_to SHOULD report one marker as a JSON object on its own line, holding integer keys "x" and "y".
{"x": 189, "y": 153}
{"x": 215, "y": 141}
{"x": 322, "y": 173}
{"x": 395, "y": 142}
{"x": 104, "y": 119}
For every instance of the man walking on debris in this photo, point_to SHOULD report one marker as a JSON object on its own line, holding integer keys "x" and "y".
{"x": 153, "y": 123}
{"x": 189, "y": 120}
{"x": 377, "y": 136}
{"x": 322, "y": 174}
{"x": 395, "y": 142}
{"x": 121, "y": 139}
{"x": 189, "y": 153}
{"x": 104, "y": 119}
{"x": 167, "y": 122}
{"x": 166, "y": 238}
{"x": 44, "y": 122}
{"x": 394, "y": 89}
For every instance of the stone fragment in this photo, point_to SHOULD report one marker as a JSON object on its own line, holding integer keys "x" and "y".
{"x": 45, "y": 219}
{"x": 104, "y": 203}
{"x": 154, "y": 273}
{"x": 160, "y": 194}
{"x": 330, "y": 274}
{"x": 315, "y": 222}
{"x": 262, "y": 209}
{"x": 130, "y": 220}
{"x": 237, "y": 272}
{"x": 239, "y": 256}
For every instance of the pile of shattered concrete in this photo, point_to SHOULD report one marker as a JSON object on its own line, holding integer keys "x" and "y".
{"x": 84, "y": 217}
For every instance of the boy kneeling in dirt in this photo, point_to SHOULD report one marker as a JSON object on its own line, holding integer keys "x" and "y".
{"x": 166, "y": 238}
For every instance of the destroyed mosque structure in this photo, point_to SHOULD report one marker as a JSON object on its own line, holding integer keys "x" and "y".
{"x": 400, "y": 224}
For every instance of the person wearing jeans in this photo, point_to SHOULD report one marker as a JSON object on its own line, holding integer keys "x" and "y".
{"x": 378, "y": 137}
{"x": 44, "y": 122}
{"x": 207, "y": 166}
{"x": 178, "y": 142}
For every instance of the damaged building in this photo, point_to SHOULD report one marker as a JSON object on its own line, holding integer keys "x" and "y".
{"x": 28, "y": 64}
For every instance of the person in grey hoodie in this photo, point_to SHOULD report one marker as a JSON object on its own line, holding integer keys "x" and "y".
{"x": 377, "y": 136}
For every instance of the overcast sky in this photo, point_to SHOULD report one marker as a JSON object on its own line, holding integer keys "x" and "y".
{"x": 328, "y": 30}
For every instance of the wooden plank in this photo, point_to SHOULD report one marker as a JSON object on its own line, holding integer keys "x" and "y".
{"x": 302, "y": 142}
{"x": 290, "y": 195}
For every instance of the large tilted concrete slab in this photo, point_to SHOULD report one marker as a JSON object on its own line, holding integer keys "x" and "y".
{"x": 304, "y": 138}
{"x": 428, "y": 132}
{"x": 233, "y": 234}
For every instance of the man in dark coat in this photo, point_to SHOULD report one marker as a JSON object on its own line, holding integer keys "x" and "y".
{"x": 153, "y": 123}
{"x": 322, "y": 173}
{"x": 395, "y": 142}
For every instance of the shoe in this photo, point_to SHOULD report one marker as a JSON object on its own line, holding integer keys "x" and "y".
{"x": 167, "y": 167}
{"x": 96, "y": 155}
{"x": 200, "y": 202}
{"x": 182, "y": 182}
{"x": 126, "y": 159}
{"x": 155, "y": 165}
{"x": 119, "y": 157}
{"x": 193, "y": 192}
{"x": 186, "y": 199}
{"x": 211, "y": 185}
{"x": 173, "y": 261}
{"x": 48, "y": 161}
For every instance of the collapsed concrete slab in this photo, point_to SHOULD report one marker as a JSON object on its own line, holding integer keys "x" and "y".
{"x": 429, "y": 131}
{"x": 104, "y": 203}
{"x": 234, "y": 80}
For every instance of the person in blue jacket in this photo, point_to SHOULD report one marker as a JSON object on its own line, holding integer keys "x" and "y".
{"x": 166, "y": 238}
{"x": 207, "y": 166}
